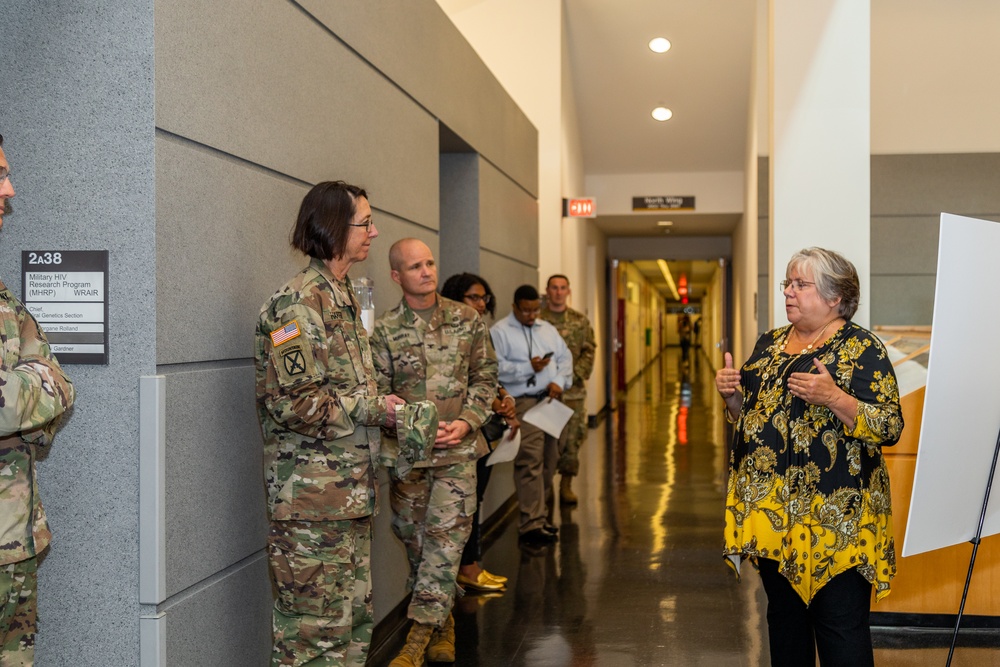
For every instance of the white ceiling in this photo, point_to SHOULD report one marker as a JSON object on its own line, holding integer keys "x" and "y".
{"x": 934, "y": 87}
{"x": 704, "y": 79}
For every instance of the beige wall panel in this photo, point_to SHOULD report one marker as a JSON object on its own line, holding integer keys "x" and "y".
{"x": 964, "y": 184}
{"x": 221, "y": 249}
{"x": 905, "y": 245}
{"x": 902, "y": 300}
{"x": 459, "y": 214}
{"x": 504, "y": 276}
{"x": 764, "y": 305}
{"x": 227, "y": 623}
{"x": 415, "y": 44}
{"x": 389, "y": 565}
{"x": 376, "y": 267}
{"x": 508, "y": 217}
{"x": 214, "y": 493}
{"x": 317, "y": 112}
{"x": 763, "y": 187}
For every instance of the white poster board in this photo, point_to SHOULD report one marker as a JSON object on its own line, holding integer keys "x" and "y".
{"x": 550, "y": 415}
{"x": 961, "y": 416}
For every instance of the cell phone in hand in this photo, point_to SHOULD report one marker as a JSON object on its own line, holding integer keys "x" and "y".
{"x": 547, "y": 355}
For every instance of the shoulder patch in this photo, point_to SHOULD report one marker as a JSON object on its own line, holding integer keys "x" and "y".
{"x": 285, "y": 333}
{"x": 294, "y": 361}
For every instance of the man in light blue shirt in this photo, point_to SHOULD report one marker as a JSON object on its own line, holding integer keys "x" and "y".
{"x": 535, "y": 365}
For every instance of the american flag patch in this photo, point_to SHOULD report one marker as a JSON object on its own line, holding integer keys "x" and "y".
{"x": 285, "y": 333}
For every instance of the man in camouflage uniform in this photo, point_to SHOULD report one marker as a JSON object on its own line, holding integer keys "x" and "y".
{"x": 432, "y": 348}
{"x": 320, "y": 413}
{"x": 34, "y": 393}
{"x": 575, "y": 329}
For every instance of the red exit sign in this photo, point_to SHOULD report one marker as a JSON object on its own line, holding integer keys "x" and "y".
{"x": 580, "y": 208}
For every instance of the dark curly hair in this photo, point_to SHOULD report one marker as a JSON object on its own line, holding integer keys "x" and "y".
{"x": 457, "y": 285}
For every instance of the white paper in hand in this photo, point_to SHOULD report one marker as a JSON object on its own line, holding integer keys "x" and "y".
{"x": 549, "y": 415}
{"x": 506, "y": 449}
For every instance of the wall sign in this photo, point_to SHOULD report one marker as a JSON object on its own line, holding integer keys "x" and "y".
{"x": 663, "y": 203}
{"x": 67, "y": 292}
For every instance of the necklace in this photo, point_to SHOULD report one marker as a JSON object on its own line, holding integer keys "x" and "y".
{"x": 809, "y": 347}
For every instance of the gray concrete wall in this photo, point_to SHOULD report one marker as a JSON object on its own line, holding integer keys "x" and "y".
{"x": 77, "y": 120}
{"x": 909, "y": 193}
{"x": 442, "y": 72}
{"x": 191, "y": 173}
{"x": 254, "y": 104}
{"x": 460, "y": 223}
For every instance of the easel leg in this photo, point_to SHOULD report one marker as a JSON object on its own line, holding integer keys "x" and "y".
{"x": 975, "y": 548}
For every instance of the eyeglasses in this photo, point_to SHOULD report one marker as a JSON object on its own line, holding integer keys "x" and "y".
{"x": 486, "y": 299}
{"x": 367, "y": 225}
{"x": 4, "y": 176}
{"x": 797, "y": 285}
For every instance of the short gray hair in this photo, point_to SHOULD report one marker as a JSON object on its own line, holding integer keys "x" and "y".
{"x": 834, "y": 275}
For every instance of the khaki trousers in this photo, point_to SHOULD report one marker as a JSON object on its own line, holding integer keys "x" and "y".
{"x": 534, "y": 468}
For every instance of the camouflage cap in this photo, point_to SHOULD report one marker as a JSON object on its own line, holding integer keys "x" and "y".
{"x": 416, "y": 430}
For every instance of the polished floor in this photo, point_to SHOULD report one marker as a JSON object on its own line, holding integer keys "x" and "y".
{"x": 636, "y": 578}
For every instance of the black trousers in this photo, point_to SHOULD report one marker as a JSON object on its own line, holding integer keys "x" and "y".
{"x": 473, "y": 551}
{"x": 835, "y": 624}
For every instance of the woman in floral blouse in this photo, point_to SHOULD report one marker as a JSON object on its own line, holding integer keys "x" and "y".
{"x": 808, "y": 494}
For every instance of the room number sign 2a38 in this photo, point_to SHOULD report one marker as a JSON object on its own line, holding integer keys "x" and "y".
{"x": 44, "y": 258}
{"x": 67, "y": 292}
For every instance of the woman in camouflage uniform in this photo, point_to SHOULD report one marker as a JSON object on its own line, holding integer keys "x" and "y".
{"x": 320, "y": 413}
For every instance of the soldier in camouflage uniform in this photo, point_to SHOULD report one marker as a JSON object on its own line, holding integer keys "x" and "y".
{"x": 429, "y": 347}
{"x": 34, "y": 393}
{"x": 320, "y": 412}
{"x": 575, "y": 329}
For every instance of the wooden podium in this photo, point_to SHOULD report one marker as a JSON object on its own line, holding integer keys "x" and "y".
{"x": 932, "y": 582}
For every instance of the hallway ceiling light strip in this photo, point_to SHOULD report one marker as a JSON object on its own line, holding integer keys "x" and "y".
{"x": 665, "y": 270}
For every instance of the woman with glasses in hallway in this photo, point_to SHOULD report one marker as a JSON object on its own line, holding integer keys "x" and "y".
{"x": 808, "y": 494}
{"x": 470, "y": 289}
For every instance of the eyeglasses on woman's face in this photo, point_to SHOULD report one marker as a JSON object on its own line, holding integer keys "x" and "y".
{"x": 797, "y": 285}
{"x": 367, "y": 224}
{"x": 485, "y": 299}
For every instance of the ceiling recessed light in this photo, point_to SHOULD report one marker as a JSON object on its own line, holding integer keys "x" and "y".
{"x": 659, "y": 45}
{"x": 665, "y": 223}
{"x": 662, "y": 113}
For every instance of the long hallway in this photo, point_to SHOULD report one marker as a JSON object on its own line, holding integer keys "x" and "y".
{"x": 637, "y": 578}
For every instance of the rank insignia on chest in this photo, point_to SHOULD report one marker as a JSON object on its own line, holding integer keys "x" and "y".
{"x": 285, "y": 333}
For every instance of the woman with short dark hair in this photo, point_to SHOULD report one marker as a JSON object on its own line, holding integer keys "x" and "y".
{"x": 320, "y": 414}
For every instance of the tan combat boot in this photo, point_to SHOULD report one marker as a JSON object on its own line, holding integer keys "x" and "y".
{"x": 412, "y": 654}
{"x": 566, "y": 495}
{"x": 442, "y": 645}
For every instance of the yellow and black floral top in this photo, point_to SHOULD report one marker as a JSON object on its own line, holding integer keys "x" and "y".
{"x": 803, "y": 489}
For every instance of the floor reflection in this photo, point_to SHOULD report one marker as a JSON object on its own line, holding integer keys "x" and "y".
{"x": 637, "y": 576}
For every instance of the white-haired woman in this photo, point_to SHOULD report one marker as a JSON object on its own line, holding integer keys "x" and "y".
{"x": 808, "y": 495}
